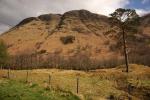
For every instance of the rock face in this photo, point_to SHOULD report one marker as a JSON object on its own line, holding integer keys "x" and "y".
{"x": 92, "y": 35}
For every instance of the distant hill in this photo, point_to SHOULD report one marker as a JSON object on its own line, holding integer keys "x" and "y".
{"x": 76, "y": 32}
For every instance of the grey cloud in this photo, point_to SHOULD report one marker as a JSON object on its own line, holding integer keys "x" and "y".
{"x": 13, "y": 11}
{"x": 4, "y": 27}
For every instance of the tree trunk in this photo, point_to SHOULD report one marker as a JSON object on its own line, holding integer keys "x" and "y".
{"x": 125, "y": 50}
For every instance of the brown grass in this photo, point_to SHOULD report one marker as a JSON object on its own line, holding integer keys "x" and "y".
{"x": 93, "y": 84}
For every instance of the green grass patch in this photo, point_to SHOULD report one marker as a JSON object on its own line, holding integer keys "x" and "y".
{"x": 13, "y": 90}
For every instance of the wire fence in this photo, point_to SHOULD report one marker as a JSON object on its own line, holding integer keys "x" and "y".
{"x": 92, "y": 85}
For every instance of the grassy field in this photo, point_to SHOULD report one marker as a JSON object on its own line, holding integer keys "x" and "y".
{"x": 93, "y": 85}
{"x": 13, "y": 90}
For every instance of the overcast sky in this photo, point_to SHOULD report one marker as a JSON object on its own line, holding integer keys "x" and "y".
{"x": 13, "y": 11}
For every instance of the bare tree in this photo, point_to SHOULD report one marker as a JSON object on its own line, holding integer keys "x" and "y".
{"x": 124, "y": 18}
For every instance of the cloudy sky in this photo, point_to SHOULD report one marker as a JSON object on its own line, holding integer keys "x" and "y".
{"x": 13, "y": 11}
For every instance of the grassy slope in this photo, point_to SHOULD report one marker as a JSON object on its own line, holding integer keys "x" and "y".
{"x": 13, "y": 90}
{"x": 93, "y": 85}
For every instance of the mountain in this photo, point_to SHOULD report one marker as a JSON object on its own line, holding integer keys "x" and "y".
{"x": 73, "y": 33}
{"x": 146, "y": 24}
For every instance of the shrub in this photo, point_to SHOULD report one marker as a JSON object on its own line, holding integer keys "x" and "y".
{"x": 80, "y": 30}
{"x": 109, "y": 31}
{"x": 67, "y": 39}
{"x": 33, "y": 24}
{"x": 39, "y": 28}
{"x": 42, "y": 51}
{"x": 38, "y": 45}
{"x": 47, "y": 23}
{"x": 3, "y": 53}
{"x": 113, "y": 47}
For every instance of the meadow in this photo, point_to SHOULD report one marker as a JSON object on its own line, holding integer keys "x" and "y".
{"x": 100, "y": 84}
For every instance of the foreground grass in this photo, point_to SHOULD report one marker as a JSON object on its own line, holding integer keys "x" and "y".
{"x": 13, "y": 90}
{"x": 93, "y": 85}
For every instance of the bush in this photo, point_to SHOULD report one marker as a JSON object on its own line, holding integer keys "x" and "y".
{"x": 3, "y": 53}
{"x": 42, "y": 51}
{"x": 67, "y": 39}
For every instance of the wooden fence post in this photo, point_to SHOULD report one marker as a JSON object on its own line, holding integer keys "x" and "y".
{"x": 8, "y": 76}
{"x": 49, "y": 79}
{"x": 27, "y": 76}
{"x": 129, "y": 92}
{"x": 77, "y": 85}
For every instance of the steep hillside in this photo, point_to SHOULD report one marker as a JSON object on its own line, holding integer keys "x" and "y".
{"x": 43, "y": 33}
{"x": 139, "y": 43}
{"x": 146, "y": 24}
{"x": 29, "y": 34}
{"x": 75, "y": 32}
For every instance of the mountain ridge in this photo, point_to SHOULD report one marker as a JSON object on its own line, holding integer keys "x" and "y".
{"x": 93, "y": 35}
